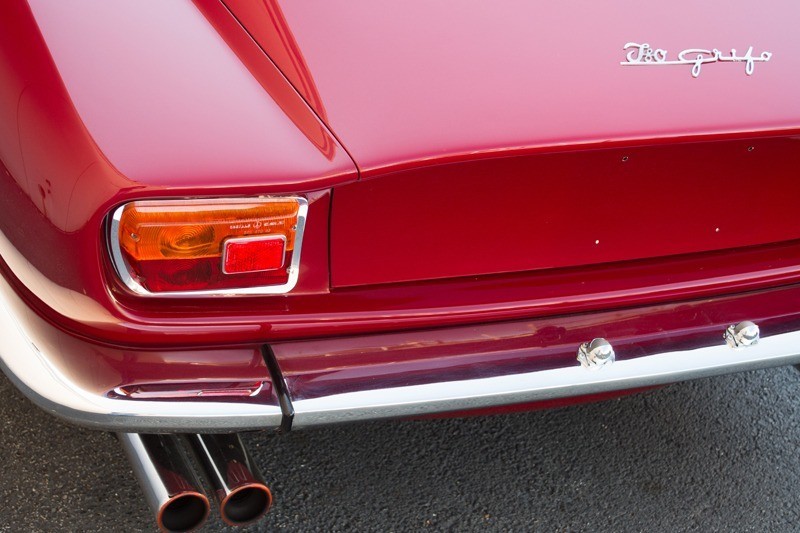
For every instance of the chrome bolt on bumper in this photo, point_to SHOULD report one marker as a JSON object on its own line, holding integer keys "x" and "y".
{"x": 596, "y": 354}
{"x": 742, "y": 334}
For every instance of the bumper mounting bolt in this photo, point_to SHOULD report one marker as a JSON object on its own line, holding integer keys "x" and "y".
{"x": 596, "y": 354}
{"x": 742, "y": 334}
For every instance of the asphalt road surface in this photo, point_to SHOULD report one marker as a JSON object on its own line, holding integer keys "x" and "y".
{"x": 719, "y": 454}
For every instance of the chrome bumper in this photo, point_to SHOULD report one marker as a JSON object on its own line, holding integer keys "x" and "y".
{"x": 646, "y": 371}
{"x": 34, "y": 373}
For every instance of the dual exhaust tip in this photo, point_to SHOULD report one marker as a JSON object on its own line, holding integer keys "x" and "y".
{"x": 173, "y": 491}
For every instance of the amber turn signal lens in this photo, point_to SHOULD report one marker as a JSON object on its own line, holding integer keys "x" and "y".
{"x": 207, "y": 245}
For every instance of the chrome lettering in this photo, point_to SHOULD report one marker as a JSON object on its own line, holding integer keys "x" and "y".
{"x": 644, "y": 54}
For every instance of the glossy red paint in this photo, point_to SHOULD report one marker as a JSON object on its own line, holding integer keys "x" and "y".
{"x": 223, "y": 372}
{"x": 57, "y": 184}
{"x": 404, "y": 84}
{"x": 477, "y": 300}
{"x": 563, "y": 210}
{"x": 428, "y": 304}
{"x": 322, "y": 367}
{"x": 96, "y": 115}
{"x": 167, "y": 117}
{"x": 267, "y": 25}
{"x": 436, "y": 303}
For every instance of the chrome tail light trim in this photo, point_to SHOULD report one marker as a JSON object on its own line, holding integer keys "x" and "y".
{"x": 123, "y": 271}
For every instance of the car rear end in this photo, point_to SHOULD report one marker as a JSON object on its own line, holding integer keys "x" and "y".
{"x": 288, "y": 217}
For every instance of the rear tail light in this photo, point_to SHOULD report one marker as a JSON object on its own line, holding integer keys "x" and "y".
{"x": 207, "y": 247}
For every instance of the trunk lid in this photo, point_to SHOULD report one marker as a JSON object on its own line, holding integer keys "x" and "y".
{"x": 404, "y": 83}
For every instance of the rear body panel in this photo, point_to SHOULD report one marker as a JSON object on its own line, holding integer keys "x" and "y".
{"x": 471, "y": 174}
{"x": 559, "y": 155}
{"x": 406, "y": 84}
{"x": 567, "y": 209}
{"x": 320, "y": 368}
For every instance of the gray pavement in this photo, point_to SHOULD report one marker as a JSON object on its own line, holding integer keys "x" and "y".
{"x": 718, "y": 454}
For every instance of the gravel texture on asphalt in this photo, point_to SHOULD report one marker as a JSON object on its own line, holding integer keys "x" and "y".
{"x": 718, "y": 454}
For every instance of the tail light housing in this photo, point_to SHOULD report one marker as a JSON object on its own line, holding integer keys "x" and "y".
{"x": 205, "y": 247}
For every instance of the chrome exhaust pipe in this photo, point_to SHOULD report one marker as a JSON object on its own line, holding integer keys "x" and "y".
{"x": 240, "y": 490}
{"x": 170, "y": 486}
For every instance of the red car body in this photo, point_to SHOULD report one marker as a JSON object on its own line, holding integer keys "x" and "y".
{"x": 488, "y": 188}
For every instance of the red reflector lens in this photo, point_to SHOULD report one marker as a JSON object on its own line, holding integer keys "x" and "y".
{"x": 253, "y": 254}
